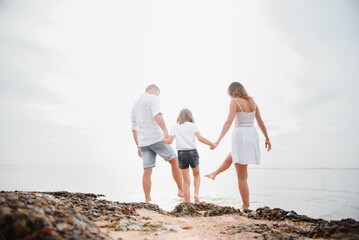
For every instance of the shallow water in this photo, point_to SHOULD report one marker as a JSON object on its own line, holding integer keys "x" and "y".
{"x": 318, "y": 193}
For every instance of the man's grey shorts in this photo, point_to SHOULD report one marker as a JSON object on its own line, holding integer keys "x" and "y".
{"x": 150, "y": 152}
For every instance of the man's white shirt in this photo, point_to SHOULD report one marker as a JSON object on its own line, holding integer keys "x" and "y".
{"x": 142, "y": 119}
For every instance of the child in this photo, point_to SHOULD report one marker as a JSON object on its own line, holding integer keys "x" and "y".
{"x": 185, "y": 132}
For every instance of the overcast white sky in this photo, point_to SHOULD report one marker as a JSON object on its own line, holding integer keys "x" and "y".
{"x": 71, "y": 70}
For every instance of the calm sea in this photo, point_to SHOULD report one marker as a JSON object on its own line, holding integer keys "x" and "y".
{"x": 330, "y": 194}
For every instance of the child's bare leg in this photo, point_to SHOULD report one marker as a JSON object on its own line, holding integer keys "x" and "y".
{"x": 186, "y": 184}
{"x": 197, "y": 182}
{"x": 242, "y": 176}
{"x": 224, "y": 166}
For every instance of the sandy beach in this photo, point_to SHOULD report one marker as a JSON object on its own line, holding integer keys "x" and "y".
{"x": 64, "y": 215}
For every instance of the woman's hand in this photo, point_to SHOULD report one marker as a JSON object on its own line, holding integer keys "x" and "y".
{"x": 268, "y": 145}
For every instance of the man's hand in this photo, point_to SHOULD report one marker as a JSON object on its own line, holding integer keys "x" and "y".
{"x": 165, "y": 134}
{"x": 139, "y": 152}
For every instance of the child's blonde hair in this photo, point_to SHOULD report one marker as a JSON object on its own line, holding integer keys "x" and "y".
{"x": 236, "y": 89}
{"x": 185, "y": 115}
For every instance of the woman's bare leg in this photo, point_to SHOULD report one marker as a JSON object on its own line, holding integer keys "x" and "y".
{"x": 242, "y": 176}
{"x": 224, "y": 166}
{"x": 196, "y": 182}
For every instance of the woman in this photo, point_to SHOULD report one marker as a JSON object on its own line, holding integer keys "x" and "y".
{"x": 245, "y": 139}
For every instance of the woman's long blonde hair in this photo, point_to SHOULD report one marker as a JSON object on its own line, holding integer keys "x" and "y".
{"x": 185, "y": 115}
{"x": 236, "y": 90}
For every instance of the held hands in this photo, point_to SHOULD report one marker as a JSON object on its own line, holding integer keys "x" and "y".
{"x": 166, "y": 140}
{"x": 213, "y": 146}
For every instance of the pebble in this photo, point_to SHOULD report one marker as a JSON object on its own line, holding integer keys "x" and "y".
{"x": 293, "y": 214}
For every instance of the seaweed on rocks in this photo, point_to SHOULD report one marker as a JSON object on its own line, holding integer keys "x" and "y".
{"x": 202, "y": 209}
{"x": 65, "y": 215}
{"x": 42, "y": 216}
{"x": 185, "y": 210}
{"x": 270, "y": 231}
{"x": 277, "y": 214}
{"x": 148, "y": 206}
{"x": 343, "y": 229}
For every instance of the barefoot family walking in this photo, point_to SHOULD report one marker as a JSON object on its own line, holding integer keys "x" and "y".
{"x": 148, "y": 129}
{"x": 245, "y": 140}
{"x": 185, "y": 133}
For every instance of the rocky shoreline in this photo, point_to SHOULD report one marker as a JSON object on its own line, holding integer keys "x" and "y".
{"x": 64, "y": 215}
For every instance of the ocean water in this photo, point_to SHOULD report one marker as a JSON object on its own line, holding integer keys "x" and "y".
{"x": 331, "y": 194}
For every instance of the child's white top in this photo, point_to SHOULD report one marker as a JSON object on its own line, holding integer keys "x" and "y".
{"x": 185, "y": 135}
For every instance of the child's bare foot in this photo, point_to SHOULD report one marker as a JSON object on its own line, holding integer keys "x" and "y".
{"x": 196, "y": 199}
{"x": 211, "y": 175}
{"x": 245, "y": 209}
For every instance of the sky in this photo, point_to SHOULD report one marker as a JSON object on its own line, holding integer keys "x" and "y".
{"x": 70, "y": 72}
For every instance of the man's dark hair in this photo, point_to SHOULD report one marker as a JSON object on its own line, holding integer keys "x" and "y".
{"x": 153, "y": 86}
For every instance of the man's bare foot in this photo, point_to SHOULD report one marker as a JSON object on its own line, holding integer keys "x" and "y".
{"x": 196, "y": 199}
{"x": 148, "y": 200}
{"x": 211, "y": 175}
{"x": 180, "y": 194}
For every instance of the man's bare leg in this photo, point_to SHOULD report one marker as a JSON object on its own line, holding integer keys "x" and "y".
{"x": 146, "y": 183}
{"x": 224, "y": 166}
{"x": 176, "y": 174}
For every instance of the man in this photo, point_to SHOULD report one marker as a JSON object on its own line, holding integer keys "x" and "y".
{"x": 149, "y": 128}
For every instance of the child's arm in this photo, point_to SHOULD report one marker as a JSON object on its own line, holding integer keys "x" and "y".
{"x": 168, "y": 140}
{"x": 205, "y": 140}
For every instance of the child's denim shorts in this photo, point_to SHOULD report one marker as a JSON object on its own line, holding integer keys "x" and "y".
{"x": 188, "y": 158}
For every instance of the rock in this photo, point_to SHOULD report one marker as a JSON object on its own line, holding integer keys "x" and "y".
{"x": 293, "y": 214}
{"x": 40, "y": 216}
{"x": 202, "y": 209}
{"x": 172, "y": 228}
{"x": 30, "y": 201}
{"x": 345, "y": 228}
{"x": 186, "y": 209}
{"x": 64, "y": 215}
{"x": 111, "y": 208}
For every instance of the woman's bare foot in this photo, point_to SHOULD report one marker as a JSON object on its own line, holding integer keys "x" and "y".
{"x": 196, "y": 199}
{"x": 211, "y": 175}
{"x": 180, "y": 194}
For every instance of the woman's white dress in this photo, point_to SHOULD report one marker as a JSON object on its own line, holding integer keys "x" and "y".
{"x": 245, "y": 139}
